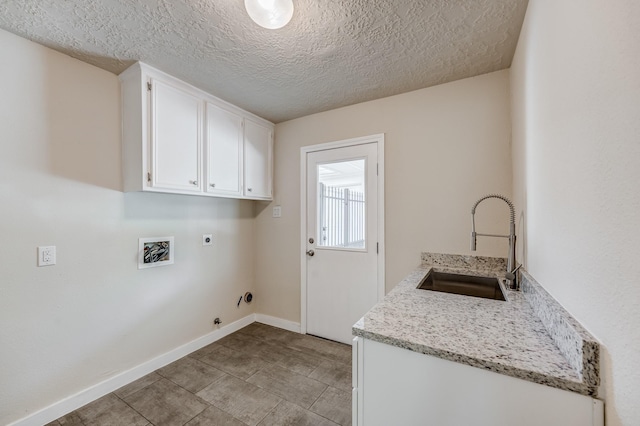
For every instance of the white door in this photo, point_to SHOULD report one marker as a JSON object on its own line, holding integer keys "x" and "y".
{"x": 176, "y": 138}
{"x": 258, "y": 148}
{"x": 224, "y": 151}
{"x": 342, "y": 239}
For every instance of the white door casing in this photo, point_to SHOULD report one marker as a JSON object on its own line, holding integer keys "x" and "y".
{"x": 339, "y": 284}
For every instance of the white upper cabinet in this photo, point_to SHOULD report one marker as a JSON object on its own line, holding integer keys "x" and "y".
{"x": 224, "y": 152}
{"x": 258, "y": 153}
{"x": 179, "y": 139}
{"x": 176, "y": 138}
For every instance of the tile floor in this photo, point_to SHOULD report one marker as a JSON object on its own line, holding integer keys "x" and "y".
{"x": 260, "y": 375}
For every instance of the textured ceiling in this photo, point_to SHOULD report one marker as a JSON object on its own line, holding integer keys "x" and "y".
{"x": 333, "y": 52}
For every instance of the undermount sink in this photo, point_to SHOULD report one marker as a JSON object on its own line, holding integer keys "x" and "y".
{"x": 468, "y": 285}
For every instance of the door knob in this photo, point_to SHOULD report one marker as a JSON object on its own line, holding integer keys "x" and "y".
{"x": 311, "y": 253}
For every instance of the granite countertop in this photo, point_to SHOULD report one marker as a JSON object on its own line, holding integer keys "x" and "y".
{"x": 529, "y": 336}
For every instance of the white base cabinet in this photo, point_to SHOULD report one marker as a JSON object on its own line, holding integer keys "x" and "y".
{"x": 394, "y": 386}
{"x": 179, "y": 139}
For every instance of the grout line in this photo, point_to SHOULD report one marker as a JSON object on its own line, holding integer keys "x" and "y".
{"x": 127, "y": 404}
{"x": 270, "y": 411}
{"x": 319, "y": 396}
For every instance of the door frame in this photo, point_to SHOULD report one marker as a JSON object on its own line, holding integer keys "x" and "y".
{"x": 378, "y": 139}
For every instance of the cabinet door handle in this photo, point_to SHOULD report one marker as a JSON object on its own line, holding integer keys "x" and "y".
{"x": 194, "y": 182}
{"x": 213, "y": 185}
{"x": 249, "y": 189}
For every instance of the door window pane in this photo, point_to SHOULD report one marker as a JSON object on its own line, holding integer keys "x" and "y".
{"x": 341, "y": 204}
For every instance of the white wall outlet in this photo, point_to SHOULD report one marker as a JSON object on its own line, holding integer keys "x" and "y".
{"x": 207, "y": 239}
{"x": 46, "y": 255}
{"x": 277, "y": 211}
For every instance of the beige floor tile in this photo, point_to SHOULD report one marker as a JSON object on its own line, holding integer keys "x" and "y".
{"x": 272, "y": 334}
{"x": 110, "y": 410}
{"x": 252, "y": 345}
{"x": 237, "y": 363}
{"x": 134, "y": 387}
{"x": 298, "y": 361}
{"x": 327, "y": 349}
{"x": 273, "y": 352}
{"x": 213, "y": 416}
{"x": 204, "y": 350}
{"x": 287, "y": 413}
{"x": 293, "y": 387}
{"x": 335, "y": 405}
{"x": 244, "y": 401}
{"x": 334, "y": 374}
{"x": 254, "y": 329}
{"x": 260, "y": 374}
{"x": 165, "y": 403}
{"x": 191, "y": 374}
{"x": 71, "y": 419}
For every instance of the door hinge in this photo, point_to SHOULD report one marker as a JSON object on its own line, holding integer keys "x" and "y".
{"x": 149, "y": 177}
{"x": 377, "y": 248}
{"x": 377, "y": 169}
{"x": 148, "y": 85}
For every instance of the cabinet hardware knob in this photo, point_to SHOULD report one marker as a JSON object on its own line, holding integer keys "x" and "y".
{"x": 213, "y": 185}
{"x": 249, "y": 189}
{"x": 194, "y": 182}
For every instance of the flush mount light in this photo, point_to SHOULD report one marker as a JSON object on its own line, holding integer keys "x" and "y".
{"x": 271, "y": 14}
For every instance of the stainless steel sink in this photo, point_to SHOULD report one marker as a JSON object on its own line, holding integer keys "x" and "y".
{"x": 468, "y": 285}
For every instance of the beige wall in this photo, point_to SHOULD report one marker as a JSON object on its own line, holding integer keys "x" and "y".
{"x": 64, "y": 328}
{"x": 576, "y": 125}
{"x": 445, "y": 147}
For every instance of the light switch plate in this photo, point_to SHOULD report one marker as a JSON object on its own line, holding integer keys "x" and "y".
{"x": 207, "y": 239}
{"x": 46, "y": 255}
{"x": 277, "y": 211}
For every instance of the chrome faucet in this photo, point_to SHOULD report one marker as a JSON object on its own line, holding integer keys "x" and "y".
{"x": 511, "y": 276}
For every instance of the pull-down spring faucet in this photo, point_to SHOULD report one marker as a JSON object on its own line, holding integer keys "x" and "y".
{"x": 511, "y": 258}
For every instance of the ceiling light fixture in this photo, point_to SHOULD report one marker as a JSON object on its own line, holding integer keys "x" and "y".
{"x": 271, "y": 14}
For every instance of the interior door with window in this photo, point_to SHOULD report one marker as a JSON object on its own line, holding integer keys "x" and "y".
{"x": 342, "y": 240}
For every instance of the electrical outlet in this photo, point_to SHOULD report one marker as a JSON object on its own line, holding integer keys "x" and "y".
{"x": 207, "y": 239}
{"x": 46, "y": 255}
{"x": 277, "y": 211}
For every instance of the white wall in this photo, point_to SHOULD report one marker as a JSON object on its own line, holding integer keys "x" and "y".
{"x": 66, "y": 327}
{"x": 576, "y": 160}
{"x": 445, "y": 147}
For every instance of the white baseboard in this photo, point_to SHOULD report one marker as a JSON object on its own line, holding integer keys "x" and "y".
{"x": 278, "y": 322}
{"x": 73, "y": 402}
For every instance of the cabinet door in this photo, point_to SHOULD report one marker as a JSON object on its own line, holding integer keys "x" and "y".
{"x": 258, "y": 148}
{"x": 428, "y": 390}
{"x": 224, "y": 152}
{"x": 176, "y": 138}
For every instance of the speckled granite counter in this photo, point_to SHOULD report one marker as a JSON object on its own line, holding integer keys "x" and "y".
{"x": 529, "y": 336}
